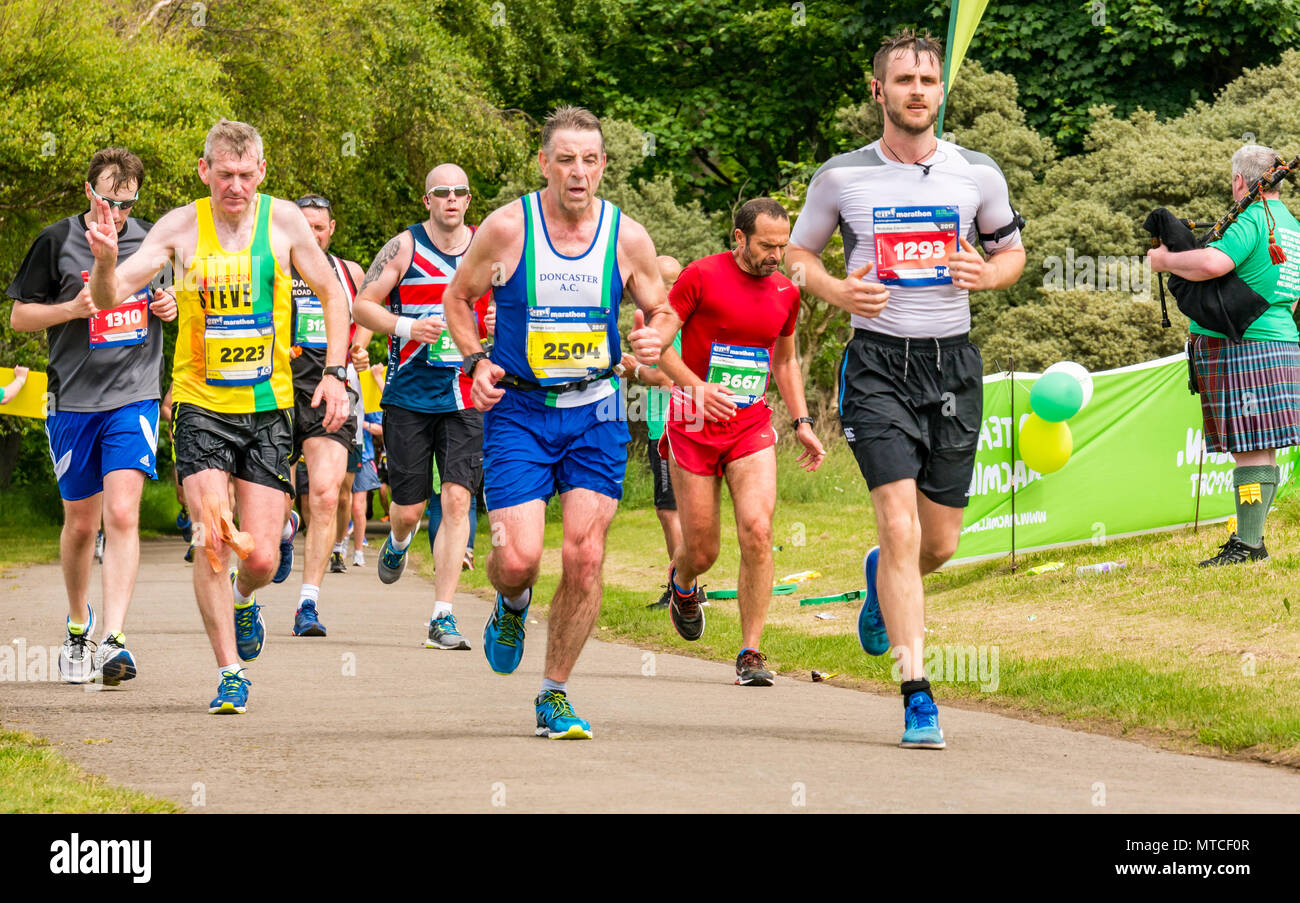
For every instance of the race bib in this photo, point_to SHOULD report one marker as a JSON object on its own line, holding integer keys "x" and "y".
{"x": 309, "y": 322}
{"x": 913, "y": 244}
{"x": 741, "y": 370}
{"x": 567, "y": 346}
{"x": 126, "y": 324}
{"x": 238, "y": 348}
{"x": 443, "y": 352}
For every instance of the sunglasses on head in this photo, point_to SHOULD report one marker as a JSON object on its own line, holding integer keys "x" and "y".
{"x": 441, "y": 191}
{"x": 313, "y": 200}
{"x": 116, "y": 205}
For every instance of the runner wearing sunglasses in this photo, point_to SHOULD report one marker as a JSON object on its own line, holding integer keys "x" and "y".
{"x": 428, "y": 413}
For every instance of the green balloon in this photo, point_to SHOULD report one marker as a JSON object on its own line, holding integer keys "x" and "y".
{"x": 1056, "y": 397}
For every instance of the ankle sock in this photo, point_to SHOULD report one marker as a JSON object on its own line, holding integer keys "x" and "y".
{"x": 548, "y": 684}
{"x": 519, "y": 604}
{"x": 308, "y": 593}
{"x": 912, "y": 687}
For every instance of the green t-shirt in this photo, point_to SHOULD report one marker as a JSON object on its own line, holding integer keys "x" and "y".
{"x": 1246, "y": 242}
{"x": 656, "y": 402}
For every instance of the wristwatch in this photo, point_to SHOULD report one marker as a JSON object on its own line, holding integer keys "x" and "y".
{"x": 339, "y": 373}
{"x": 468, "y": 365}
{"x": 798, "y": 420}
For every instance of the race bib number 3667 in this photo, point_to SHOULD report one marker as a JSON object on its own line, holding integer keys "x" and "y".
{"x": 913, "y": 244}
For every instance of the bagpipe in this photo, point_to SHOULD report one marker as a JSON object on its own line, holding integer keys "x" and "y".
{"x": 1226, "y": 304}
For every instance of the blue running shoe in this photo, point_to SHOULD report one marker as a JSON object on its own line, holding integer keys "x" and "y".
{"x": 250, "y": 630}
{"x": 305, "y": 622}
{"x": 556, "y": 719}
{"x": 503, "y": 636}
{"x": 921, "y": 724}
{"x": 286, "y": 551}
{"x": 871, "y": 623}
{"x": 184, "y": 525}
{"x": 114, "y": 663}
{"x": 391, "y": 561}
{"x": 232, "y": 695}
{"x": 444, "y": 634}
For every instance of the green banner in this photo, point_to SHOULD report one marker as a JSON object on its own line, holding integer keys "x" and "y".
{"x": 1133, "y": 470}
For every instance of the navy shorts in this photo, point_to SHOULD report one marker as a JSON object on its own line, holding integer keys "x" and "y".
{"x": 533, "y": 451}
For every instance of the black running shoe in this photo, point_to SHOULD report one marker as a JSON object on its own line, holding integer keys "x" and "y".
{"x": 686, "y": 612}
{"x": 1234, "y": 551}
{"x": 337, "y": 565}
{"x": 751, "y": 669}
{"x": 663, "y": 601}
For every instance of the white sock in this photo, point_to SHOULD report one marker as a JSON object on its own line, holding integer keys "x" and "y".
{"x": 309, "y": 594}
{"x": 399, "y": 545}
{"x": 229, "y": 669}
{"x": 440, "y": 609}
{"x": 522, "y": 602}
{"x": 240, "y": 598}
{"x": 340, "y": 547}
{"x": 548, "y": 684}
{"x": 287, "y": 533}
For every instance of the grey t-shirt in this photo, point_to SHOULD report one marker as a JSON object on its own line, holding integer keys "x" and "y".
{"x": 914, "y": 210}
{"x": 122, "y": 366}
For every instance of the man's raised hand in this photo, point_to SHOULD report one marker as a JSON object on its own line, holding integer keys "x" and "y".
{"x": 857, "y": 296}
{"x": 102, "y": 235}
{"x": 645, "y": 341}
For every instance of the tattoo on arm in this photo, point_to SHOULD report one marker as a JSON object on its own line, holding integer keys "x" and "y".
{"x": 387, "y": 253}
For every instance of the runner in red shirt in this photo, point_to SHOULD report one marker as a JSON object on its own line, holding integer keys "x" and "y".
{"x": 738, "y": 317}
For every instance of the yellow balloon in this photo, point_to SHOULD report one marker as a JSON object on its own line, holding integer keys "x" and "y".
{"x": 1045, "y": 446}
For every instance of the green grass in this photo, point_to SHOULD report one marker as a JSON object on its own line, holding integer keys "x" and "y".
{"x": 1195, "y": 660}
{"x": 35, "y": 778}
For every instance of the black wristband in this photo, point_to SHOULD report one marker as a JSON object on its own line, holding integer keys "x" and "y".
{"x": 798, "y": 420}
{"x": 467, "y": 367}
{"x": 339, "y": 373}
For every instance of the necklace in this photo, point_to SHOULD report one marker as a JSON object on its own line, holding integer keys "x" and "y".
{"x": 917, "y": 161}
{"x": 451, "y": 251}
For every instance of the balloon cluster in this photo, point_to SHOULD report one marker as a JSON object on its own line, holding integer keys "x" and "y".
{"x": 1062, "y": 391}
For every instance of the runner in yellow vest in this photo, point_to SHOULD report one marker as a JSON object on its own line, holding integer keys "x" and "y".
{"x": 232, "y": 384}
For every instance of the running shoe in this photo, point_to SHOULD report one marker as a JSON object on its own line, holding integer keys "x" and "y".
{"x": 337, "y": 564}
{"x": 503, "y": 636}
{"x": 286, "y": 551}
{"x": 921, "y": 724}
{"x": 184, "y": 525}
{"x": 189, "y": 553}
{"x": 1234, "y": 551}
{"x": 99, "y": 546}
{"x": 467, "y": 563}
{"x": 358, "y": 559}
{"x": 113, "y": 662}
{"x": 305, "y": 622}
{"x": 663, "y": 601}
{"x": 232, "y": 695}
{"x": 391, "y": 561}
{"x": 686, "y": 612}
{"x": 76, "y": 662}
{"x": 444, "y": 634}
{"x": 556, "y": 719}
{"x": 871, "y": 623}
{"x": 250, "y": 630}
{"x": 751, "y": 669}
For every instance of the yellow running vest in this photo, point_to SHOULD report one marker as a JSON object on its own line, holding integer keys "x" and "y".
{"x": 235, "y": 317}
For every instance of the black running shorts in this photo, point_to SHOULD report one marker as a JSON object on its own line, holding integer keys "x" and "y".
{"x": 250, "y": 447}
{"x": 308, "y": 422}
{"x": 911, "y": 409}
{"x": 415, "y": 439}
{"x": 664, "y": 498}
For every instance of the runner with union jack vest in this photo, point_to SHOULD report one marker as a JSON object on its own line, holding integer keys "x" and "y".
{"x": 428, "y": 413}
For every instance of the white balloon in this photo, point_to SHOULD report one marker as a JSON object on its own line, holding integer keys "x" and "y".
{"x": 1081, "y": 375}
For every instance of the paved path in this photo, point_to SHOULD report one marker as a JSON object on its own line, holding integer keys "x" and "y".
{"x": 366, "y": 719}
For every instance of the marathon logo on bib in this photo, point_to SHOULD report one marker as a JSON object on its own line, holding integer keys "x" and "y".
{"x": 913, "y": 244}
{"x": 741, "y": 370}
{"x": 126, "y": 324}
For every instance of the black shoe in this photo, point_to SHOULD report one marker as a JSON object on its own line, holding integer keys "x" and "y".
{"x": 663, "y": 601}
{"x": 751, "y": 669}
{"x": 1234, "y": 551}
{"x": 686, "y": 612}
{"x": 337, "y": 565}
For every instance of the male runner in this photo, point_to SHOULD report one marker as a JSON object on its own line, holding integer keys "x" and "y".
{"x": 558, "y": 263}
{"x": 327, "y": 453}
{"x": 366, "y": 481}
{"x": 911, "y": 391}
{"x": 427, "y": 409}
{"x": 738, "y": 318}
{"x": 231, "y": 379}
{"x": 102, "y": 423}
{"x": 656, "y": 413}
